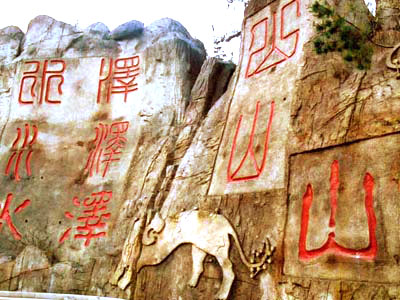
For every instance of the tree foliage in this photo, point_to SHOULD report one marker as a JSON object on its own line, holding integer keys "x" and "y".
{"x": 335, "y": 34}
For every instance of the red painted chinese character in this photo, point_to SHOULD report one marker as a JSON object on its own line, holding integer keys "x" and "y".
{"x": 258, "y": 168}
{"x": 109, "y": 141}
{"x": 121, "y": 78}
{"x": 93, "y": 218}
{"x": 5, "y": 215}
{"x": 330, "y": 246}
{"x": 270, "y": 54}
{"x": 18, "y": 152}
{"x": 48, "y": 76}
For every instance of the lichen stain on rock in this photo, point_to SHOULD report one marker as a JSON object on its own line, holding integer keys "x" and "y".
{"x": 100, "y": 116}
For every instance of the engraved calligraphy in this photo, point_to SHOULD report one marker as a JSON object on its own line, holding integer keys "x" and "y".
{"x": 331, "y": 246}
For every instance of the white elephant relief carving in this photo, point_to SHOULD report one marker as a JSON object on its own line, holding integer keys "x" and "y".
{"x": 209, "y": 234}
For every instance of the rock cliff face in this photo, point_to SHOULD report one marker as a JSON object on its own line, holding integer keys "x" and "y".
{"x": 83, "y": 116}
{"x": 130, "y": 162}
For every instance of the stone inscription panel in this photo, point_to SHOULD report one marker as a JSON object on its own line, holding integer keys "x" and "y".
{"x": 48, "y": 87}
{"x": 343, "y": 212}
{"x": 252, "y": 154}
{"x": 66, "y": 148}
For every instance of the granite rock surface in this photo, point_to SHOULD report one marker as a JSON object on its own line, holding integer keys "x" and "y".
{"x": 110, "y": 138}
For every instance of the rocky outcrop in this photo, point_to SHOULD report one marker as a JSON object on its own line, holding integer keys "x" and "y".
{"x": 127, "y": 30}
{"x": 10, "y": 40}
{"x": 129, "y": 149}
{"x": 122, "y": 95}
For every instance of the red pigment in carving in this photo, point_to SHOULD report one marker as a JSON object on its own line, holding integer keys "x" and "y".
{"x": 28, "y": 163}
{"x": 109, "y": 141}
{"x": 330, "y": 246}
{"x": 265, "y": 65}
{"x": 47, "y": 78}
{"x": 5, "y": 215}
{"x": 126, "y": 71}
{"x": 16, "y": 169}
{"x": 29, "y": 75}
{"x": 232, "y": 176}
{"x": 93, "y": 218}
{"x": 76, "y": 201}
{"x": 120, "y": 78}
{"x": 9, "y": 163}
{"x": 17, "y": 139}
{"x": 104, "y": 79}
{"x": 18, "y": 152}
{"x": 93, "y": 159}
{"x": 69, "y": 215}
{"x": 35, "y": 134}
{"x": 334, "y": 180}
{"x": 65, "y": 235}
{"x": 22, "y": 206}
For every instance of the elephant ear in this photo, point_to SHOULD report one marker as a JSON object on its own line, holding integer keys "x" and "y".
{"x": 157, "y": 224}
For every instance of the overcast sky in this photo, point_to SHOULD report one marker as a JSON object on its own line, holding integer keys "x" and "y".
{"x": 198, "y": 17}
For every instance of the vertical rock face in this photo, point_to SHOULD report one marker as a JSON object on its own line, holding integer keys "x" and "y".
{"x": 128, "y": 149}
{"x": 251, "y": 156}
{"x": 83, "y": 115}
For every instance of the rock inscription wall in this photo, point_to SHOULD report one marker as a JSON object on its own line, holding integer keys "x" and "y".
{"x": 252, "y": 155}
{"x": 73, "y": 120}
{"x": 130, "y": 162}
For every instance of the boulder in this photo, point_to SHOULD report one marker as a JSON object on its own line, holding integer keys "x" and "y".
{"x": 127, "y": 30}
{"x": 10, "y": 43}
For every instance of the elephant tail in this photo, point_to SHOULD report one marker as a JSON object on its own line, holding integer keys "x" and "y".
{"x": 254, "y": 267}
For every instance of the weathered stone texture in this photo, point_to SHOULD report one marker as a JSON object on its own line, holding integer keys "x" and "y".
{"x": 209, "y": 86}
{"x": 255, "y": 216}
{"x": 127, "y": 30}
{"x": 388, "y": 14}
{"x": 169, "y": 61}
{"x": 192, "y": 178}
{"x": 353, "y": 220}
{"x": 290, "y": 149}
{"x": 336, "y": 103}
{"x": 47, "y": 37}
{"x": 10, "y": 43}
{"x": 254, "y": 7}
{"x": 168, "y": 180}
{"x": 253, "y": 153}
{"x": 98, "y": 28}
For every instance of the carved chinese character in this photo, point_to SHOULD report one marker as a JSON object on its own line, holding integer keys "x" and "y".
{"x": 258, "y": 167}
{"x": 94, "y": 214}
{"x": 5, "y": 215}
{"x": 120, "y": 78}
{"x": 272, "y": 51}
{"x": 51, "y": 78}
{"x": 19, "y": 149}
{"x": 330, "y": 246}
{"x": 108, "y": 144}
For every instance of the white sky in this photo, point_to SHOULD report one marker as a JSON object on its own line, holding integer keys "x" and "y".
{"x": 197, "y": 16}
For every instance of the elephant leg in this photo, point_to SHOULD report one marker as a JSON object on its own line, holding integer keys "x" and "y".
{"x": 198, "y": 256}
{"x": 227, "y": 276}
